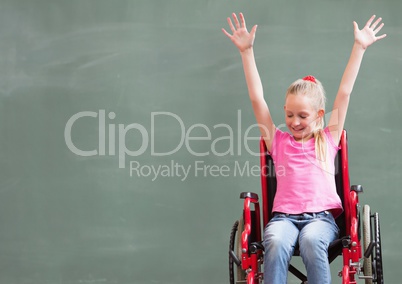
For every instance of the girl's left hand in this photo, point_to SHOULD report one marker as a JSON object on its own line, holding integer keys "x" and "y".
{"x": 367, "y": 36}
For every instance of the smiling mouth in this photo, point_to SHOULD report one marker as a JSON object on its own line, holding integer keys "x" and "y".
{"x": 298, "y": 130}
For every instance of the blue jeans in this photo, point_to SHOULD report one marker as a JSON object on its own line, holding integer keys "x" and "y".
{"x": 313, "y": 231}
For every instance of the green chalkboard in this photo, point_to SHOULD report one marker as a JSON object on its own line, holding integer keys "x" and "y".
{"x": 127, "y": 134}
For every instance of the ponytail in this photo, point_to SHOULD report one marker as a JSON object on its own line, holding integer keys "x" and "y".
{"x": 320, "y": 144}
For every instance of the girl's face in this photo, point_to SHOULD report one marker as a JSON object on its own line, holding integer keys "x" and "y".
{"x": 301, "y": 117}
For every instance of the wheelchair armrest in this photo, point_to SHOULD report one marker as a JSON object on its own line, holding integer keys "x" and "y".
{"x": 358, "y": 188}
{"x": 252, "y": 195}
{"x": 252, "y": 231}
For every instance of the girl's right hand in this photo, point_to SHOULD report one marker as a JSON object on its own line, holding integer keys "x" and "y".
{"x": 241, "y": 38}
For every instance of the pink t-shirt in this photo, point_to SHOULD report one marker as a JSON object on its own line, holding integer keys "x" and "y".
{"x": 304, "y": 184}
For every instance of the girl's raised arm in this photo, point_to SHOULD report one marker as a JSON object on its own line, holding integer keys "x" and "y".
{"x": 363, "y": 39}
{"x": 244, "y": 41}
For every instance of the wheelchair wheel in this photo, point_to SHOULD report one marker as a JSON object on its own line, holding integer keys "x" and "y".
{"x": 379, "y": 276}
{"x": 235, "y": 254}
{"x": 367, "y": 262}
{"x": 372, "y": 264}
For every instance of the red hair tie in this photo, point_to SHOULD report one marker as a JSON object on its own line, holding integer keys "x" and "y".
{"x": 310, "y": 78}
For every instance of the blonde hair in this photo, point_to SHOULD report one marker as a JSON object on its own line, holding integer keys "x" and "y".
{"x": 313, "y": 89}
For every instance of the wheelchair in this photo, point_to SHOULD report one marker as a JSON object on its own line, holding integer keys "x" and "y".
{"x": 360, "y": 246}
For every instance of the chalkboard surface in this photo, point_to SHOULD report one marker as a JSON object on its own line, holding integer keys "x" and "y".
{"x": 127, "y": 134}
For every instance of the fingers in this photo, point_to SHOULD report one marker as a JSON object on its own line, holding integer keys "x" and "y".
{"x": 370, "y": 21}
{"x": 231, "y": 25}
{"x": 253, "y": 30}
{"x": 381, "y": 36}
{"x": 242, "y": 20}
{"x": 355, "y": 26}
{"x": 237, "y": 25}
{"x": 376, "y": 23}
{"x": 373, "y": 26}
{"x": 236, "y": 21}
{"x": 379, "y": 28}
{"x": 226, "y": 33}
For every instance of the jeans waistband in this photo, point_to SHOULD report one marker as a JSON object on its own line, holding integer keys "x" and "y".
{"x": 313, "y": 214}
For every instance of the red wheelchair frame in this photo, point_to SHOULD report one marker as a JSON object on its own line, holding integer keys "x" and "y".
{"x": 246, "y": 251}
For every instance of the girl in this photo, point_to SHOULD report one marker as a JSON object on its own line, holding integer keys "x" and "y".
{"x": 306, "y": 201}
